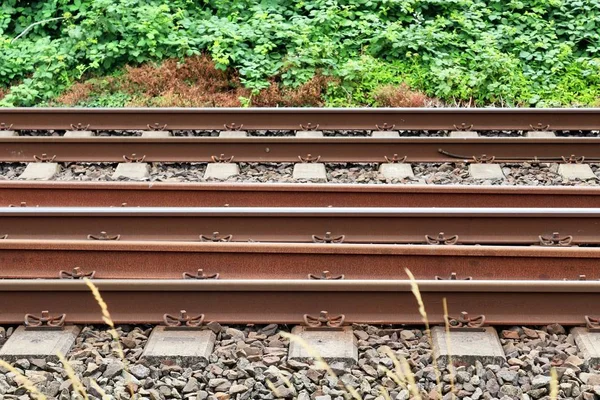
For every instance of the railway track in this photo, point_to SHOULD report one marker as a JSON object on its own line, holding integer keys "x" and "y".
{"x": 68, "y": 259}
{"x": 277, "y": 301}
{"x": 262, "y": 246}
{"x": 283, "y": 149}
{"x": 435, "y": 226}
{"x": 161, "y": 194}
{"x": 286, "y": 149}
{"x": 293, "y": 118}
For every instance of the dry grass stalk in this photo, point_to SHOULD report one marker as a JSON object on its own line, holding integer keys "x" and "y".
{"x": 77, "y": 385}
{"x": 553, "y": 384}
{"x": 417, "y": 293}
{"x": 113, "y": 332}
{"x": 272, "y": 388}
{"x": 447, "y": 327}
{"x": 383, "y": 391}
{"x": 23, "y": 381}
{"x": 98, "y": 389}
{"x": 398, "y": 376}
{"x": 412, "y": 385}
{"x": 320, "y": 362}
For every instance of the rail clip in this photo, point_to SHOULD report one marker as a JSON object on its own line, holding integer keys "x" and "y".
{"x": 324, "y": 321}
{"x": 467, "y": 323}
{"x": 555, "y": 240}
{"x": 441, "y": 239}
{"x": 309, "y": 127}
{"x": 484, "y": 159}
{"x": 104, "y": 236}
{"x": 592, "y": 324}
{"x": 80, "y": 127}
{"x": 326, "y": 276}
{"x": 45, "y": 321}
{"x": 21, "y": 204}
{"x": 573, "y": 159}
{"x": 385, "y": 127}
{"x": 540, "y": 127}
{"x": 200, "y": 275}
{"x": 221, "y": 159}
{"x": 44, "y": 158}
{"x": 328, "y": 238}
{"x": 76, "y": 274}
{"x": 157, "y": 127}
{"x": 453, "y": 277}
{"x": 233, "y": 127}
{"x": 183, "y": 321}
{"x": 4, "y": 127}
{"x": 309, "y": 159}
{"x": 134, "y": 158}
{"x": 215, "y": 237}
{"x": 395, "y": 159}
{"x": 463, "y": 127}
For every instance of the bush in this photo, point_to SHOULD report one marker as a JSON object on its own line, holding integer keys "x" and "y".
{"x": 500, "y": 52}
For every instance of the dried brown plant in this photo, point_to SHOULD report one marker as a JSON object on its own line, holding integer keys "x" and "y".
{"x": 400, "y": 96}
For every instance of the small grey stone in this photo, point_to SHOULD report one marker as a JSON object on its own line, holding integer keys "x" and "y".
{"x": 537, "y": 393}
{"x": 508, "y": 375}
{"x": 540, "y": 381}
{"x": 362, "y": 335}
{"x": 303, "y": 395}
{"x": 510, "y": 390}
{"x": 593, "y": 380}
{"x": 22, "y": 363}
{"x": 492, "y": 386}
{"x": 235, "y": 389}
{"x": 555, "y": 329}
{"x": 214, "y": 326}
{"x": 235, "y": 334}
{"x": 139, "y": 371}
{"x": 113, "y": 369}
{"x": 191, "y": 385}
{"x": 284, "y": 391}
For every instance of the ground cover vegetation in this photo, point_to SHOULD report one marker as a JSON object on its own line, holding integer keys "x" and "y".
{"x": 309, "y": 52}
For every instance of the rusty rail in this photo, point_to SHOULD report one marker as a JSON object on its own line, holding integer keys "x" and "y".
{"x": 293, "y": 118}
{"x": 169, "y": 260}
{"x": 155, "y": 194}
{"x": 289, "y": 149}
{"x": 269, "y": 301}
{"x": 321, "y": 225}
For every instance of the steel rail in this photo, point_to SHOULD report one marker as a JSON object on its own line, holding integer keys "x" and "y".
{"x": 326, "y": 224}
{"x": 168, "y": 260}
{"x": 155, "y": 194}
{"x": 289, "y": 149}
{"x": 292, "y": 118}
{"x": 280, "y": 301}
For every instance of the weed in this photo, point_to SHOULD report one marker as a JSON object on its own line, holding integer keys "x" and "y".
{"x": 482, "y": 52}
{"x": 22, "y": 380}
{"x": 417, "y": 293}
{"x": 399, "y": 96}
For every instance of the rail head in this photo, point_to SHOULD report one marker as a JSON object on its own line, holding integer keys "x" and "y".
{"x": 356, "y": 212}
{"x": 292, "y": 118}
{"x": 265, "y": 285}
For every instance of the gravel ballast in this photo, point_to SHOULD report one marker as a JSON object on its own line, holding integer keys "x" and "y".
{"x": 527, "y": 174}
{"x": 251, "y": 363}
{"x": 326, "y": 133}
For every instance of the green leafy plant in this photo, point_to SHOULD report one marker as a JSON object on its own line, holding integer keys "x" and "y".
{"x": 494, "y": 52}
